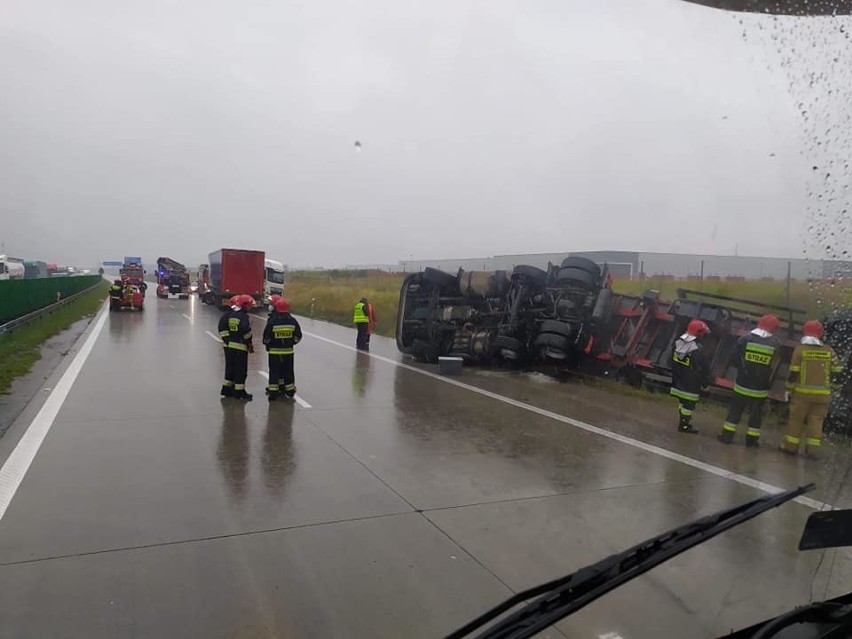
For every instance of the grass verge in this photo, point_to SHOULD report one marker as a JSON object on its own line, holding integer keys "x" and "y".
{"x": 20, "y": 349}
{"x": 333, "y": 295}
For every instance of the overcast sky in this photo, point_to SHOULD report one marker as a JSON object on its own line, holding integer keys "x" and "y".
{"x": 154, "y": 127}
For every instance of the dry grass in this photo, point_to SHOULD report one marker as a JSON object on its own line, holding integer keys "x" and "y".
{"x": 336, "y": 292}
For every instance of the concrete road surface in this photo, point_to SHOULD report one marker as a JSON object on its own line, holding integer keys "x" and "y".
{"x": 388, "y": 502}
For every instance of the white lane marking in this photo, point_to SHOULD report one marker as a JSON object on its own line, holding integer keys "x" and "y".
{"x": 18, "y": 463}
{"x": 216, "y": 337}
{"x": 610, "y": 635}
{"x": 629, "y": 441}
{"x": 301, "y": 402}
{"x": 187, "y": 316}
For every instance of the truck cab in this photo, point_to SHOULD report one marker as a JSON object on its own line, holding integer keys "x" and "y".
{"x": 11, "y": 268}
{"x": 273, "y": 281}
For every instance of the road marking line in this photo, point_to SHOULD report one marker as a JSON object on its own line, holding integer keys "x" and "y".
{"x": 187, "y": 316}
{"x": 18, "y": 463}
{"x": 216, "y": 337}
{"x": 629, "y": 441}
{"x": 301, "y": 402}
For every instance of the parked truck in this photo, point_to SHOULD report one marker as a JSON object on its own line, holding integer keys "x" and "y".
{"x": 34, "y": 269}
{"x": 11, "y": 268}
{"x": 133, "y": 271}
{"x": 172, "y": 278}
{"x": 274, "y": 280}
{"x": 235, "y": 271}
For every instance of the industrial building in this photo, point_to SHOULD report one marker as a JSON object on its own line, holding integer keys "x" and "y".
{"x": 635, "y": 264}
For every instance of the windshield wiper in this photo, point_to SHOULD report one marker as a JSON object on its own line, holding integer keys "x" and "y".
{"x": 559, "y": 598}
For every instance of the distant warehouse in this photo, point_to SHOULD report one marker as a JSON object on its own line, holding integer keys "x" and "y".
{"x": 635, "y": 265}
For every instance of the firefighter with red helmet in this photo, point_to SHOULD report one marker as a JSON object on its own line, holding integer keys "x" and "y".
{"x": 814, "y": 369}
{"x": 690, "y": 372}
{"x": 280, "y": 337}
{"x": 756, "y": 354}
{"x": 238, "y": 345}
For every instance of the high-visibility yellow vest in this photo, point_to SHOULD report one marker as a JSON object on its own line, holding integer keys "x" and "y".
{"x": 360, "y": 314}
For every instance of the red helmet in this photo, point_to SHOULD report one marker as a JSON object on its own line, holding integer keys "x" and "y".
{"x": 697, "y": 328}
{"x": 281, "y": 305}
{"x": 813, "y": 328}
{"x": 768, "y": 323}
{"x": 245, "y": 301}
{"x": 234, "y": 301}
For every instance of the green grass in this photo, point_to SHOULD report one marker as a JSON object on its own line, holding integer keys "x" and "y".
{"x": 19, "y": 350}
{"x": 817, "y": 299}
{"x": 336, "y": 292}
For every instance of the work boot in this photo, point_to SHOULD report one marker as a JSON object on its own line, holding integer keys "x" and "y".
{"x": 227, "y": 391}
{"x": 752, "y": 441}
{"x": 726, "y": 437}
{"x": 271, "y": 395}
{"x": 241, "y": 394}
{"x": 685, "y": 426}
{"x": 787, "y": 451}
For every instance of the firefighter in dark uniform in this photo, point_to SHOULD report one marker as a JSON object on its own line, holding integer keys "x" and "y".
{"x": 756, "y": 353}
{"x": 814, "y": 369}
{"x": 690, "y": 372}
{"x": 224, "y": 334}
{"x": 361, "y": 319}
{"x": 116, "y": 294}
{"x": 280, "y": 336}
{"x": 240, "y": 344}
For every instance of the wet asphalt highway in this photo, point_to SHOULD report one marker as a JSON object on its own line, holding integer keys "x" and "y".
{"x": 389, "y": 503}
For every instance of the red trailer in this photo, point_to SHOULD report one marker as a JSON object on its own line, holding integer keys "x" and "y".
{"x": 233, "y": 272}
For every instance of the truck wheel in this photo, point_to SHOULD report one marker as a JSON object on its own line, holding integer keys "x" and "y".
{"x": 555, "y": 327}
{"x": 578, "y": 276}
{"x": 532, "y": 273}
{"x": 552, "y": 346}
{"x": 508, "y": 347}
{"x": 582, "y": 263}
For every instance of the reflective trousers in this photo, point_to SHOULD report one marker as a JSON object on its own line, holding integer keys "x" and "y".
{"x": 807, "y": 413}
{"x": 282, "y": 378}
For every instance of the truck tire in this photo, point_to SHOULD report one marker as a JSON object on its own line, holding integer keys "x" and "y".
{"x": 532, "y": 273}
{"x": 508, "y": 347}
{"x": 577, "y": 276}
{"x": 582, "y": 263}
{"x": 555, "y": 327}
{"x": 438, "y": 278}
{"x": 552, "y": 346}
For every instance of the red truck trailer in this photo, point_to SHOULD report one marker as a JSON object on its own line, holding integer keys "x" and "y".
{"x": 235, "y": 271}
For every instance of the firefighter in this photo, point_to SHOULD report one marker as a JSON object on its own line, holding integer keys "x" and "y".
{"x": 756, "y": 353}
{"x": 128, "y": 293}
{"x": 814, "y": 369}
{"x": 224, "y": 334}
{"x": 116, "y": 293}
{"x": 690, "y": 372}
{"x": 361, "y": 321}
{"x": 240, "y": 344}
{"x": 281, "y": 334}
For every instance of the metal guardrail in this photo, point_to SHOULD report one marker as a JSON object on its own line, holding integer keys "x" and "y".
{"x": 23, "y": 320}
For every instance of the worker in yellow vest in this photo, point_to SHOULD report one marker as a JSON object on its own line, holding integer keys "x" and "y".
{"x": 813, "y": 370}
{"x": 361, "y": 319}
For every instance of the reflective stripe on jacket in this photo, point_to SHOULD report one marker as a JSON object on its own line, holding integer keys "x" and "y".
{"x": 281, "y": 334}
{"x": 756, "y": 355}
{"x": 811, "y": 369}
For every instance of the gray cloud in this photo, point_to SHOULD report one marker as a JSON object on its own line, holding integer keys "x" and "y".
{"x": 487, "y": 127}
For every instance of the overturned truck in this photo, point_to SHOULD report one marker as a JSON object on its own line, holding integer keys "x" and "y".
{"x": 524, "y": 315}
{"x": 568, "y": 316}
